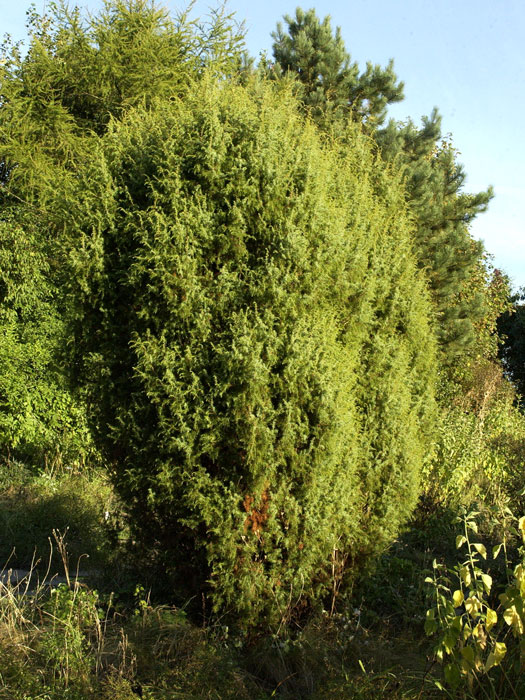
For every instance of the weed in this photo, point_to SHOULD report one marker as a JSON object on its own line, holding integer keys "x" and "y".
{"x": 481, "y": 633}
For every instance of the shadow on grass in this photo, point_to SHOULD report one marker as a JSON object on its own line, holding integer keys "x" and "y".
{"x": 76, "y": 507}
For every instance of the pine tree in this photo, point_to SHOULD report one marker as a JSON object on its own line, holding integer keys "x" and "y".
{"x": 445, "y": 248}
{"x": 331, "y": 85}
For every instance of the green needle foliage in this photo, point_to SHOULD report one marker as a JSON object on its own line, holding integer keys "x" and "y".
{"x": 79, "y": 72}
{"x": 453, "y": 261}
{"x": 55, "y": 98}
{"x": 331, "y": 86}
{"x": 331, "y": 90}
{"x": 255, "y": 338}
{"x": 237, "y": 294}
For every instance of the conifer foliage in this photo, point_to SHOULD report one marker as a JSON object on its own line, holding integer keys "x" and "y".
{"x": 256, "y": 338}
{"x": 243, "y": 306}
{"x": 331, "y": 88}
{"x": 451, "y": 258}
{"x": 56, "y": 98}
{"x": 331, "y": 84}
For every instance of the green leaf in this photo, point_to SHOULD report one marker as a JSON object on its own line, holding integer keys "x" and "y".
{"x": 431, "y": 624}
{"x": 468, "y": 654}
{"x": 449, "y": 642}
{"x": 457, "y": 624}
{"x": 496, "y": 550}
{"x": 469, "y": 659}
{"x": 460, "y": 540}
{"x": 452, "y": 675}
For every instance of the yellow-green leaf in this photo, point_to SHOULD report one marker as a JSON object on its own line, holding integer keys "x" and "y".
{"x": 465, "y": 575}
{"x": 495, "y": 657}
{"x": 519, "y": 573}
{"x": 460, "y": 540}
{"x": 472, "y": 606}
{"x": 481, "y": 549}
{"x": 480, "y": 635}
{"x": 458, "y": 598}
{"x": 492, "y": 618}
{"x": 513, "y": 619}
{"x": 487, "y": 582}
{"x": 496, "y": 550}
{"x": 521, "y": 527}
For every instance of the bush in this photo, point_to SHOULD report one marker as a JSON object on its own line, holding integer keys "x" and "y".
{"x": 255, "y": 339}
{"x": 478, "y": 456}
{"x": 479, "y": 618}
{"x": 40, "y": 421}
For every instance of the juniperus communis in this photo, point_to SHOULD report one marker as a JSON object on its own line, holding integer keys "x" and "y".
{"x": 255, "y": 337}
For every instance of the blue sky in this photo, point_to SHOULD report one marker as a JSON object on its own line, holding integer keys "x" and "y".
{"x": 466, "y": 57}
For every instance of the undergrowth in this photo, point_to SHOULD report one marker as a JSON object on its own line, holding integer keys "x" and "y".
{"x": 100, "y": 634}
{"x": 108, "y": 628}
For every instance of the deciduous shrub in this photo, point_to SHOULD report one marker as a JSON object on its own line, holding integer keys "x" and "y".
{"x": 478, "y": 455}
{"x": 481, "y": 623}
{"x": 40, "y": 421}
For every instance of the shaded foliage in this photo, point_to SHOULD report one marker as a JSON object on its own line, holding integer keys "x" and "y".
{"x": 39, "y": 419}
{"x": 511, "y": 326}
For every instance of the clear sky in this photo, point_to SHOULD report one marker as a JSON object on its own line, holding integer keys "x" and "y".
{"x": 466, "y": 57}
